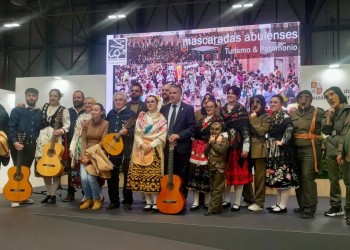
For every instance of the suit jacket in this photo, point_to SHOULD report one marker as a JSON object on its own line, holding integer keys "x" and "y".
{"x": 185, "y": 125}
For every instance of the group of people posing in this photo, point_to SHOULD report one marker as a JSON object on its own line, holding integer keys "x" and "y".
{"x": 215, "y": 148}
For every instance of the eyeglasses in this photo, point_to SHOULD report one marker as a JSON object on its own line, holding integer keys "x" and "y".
{"x": 151, "y": 102}
{"x": 210, "y": 107}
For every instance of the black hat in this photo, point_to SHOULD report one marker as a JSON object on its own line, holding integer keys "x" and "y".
{"x": 307, "y": 92}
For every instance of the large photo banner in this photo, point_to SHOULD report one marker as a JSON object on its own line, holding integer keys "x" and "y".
{"x": 259, "y": 59}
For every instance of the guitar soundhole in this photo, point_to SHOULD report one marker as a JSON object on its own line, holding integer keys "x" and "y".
{"x": 18, "y": 177}
{"x": 116, "y": 138}
{"x": 170, "y": 186}
{"x": 51, "y": 152}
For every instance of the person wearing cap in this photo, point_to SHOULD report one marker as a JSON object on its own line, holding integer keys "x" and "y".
{"x": 25, "y": 121}
{"x": 259, "y": 121}
{"x": 237, "y": 125}
{"x": 306, "y": 120}
{"x": 336, "y": 126}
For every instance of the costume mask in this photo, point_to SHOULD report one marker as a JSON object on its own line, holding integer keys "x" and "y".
{"x": 256, "y": 106}
{"x": 304, "y": 101}
{"x": 332, "y": 98}
{"x": 215, "y": 129}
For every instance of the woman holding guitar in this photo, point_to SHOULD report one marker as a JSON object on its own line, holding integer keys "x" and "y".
{"x": 53, "y": 113}
{"x": 147, "y": 165}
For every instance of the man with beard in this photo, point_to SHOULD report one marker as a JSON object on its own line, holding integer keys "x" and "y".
{"x": 259, "y": 121}
{"x": 306, "y": 120}
{"x": 25, "y": 120}
{"x": 337, "y": 120}
{"x": 136, "y": 104}
{"x": 165, "y": 94}
{"x": 74, "y": 112}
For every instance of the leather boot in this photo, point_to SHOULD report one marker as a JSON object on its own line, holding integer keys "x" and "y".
{"x": 52, "y": 200}
{"x": 46, "y": 199}
{"x": 347, "y": 216}
{"x": 97, "y": 205}
{"x": 86, "y": 204}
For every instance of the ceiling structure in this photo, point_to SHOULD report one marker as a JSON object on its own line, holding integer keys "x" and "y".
{"x": 67, "y": 37}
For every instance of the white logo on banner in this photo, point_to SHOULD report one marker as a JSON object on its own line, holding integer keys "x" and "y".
{"x": 117, "y": 51}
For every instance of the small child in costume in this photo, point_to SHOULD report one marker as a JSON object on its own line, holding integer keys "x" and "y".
{"x": 216, "y": 152}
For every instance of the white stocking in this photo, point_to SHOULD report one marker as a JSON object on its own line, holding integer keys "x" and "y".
{"x": 148, "y": 198}
{"x": 284, "y": 198}
{"x": 227, "y": 194}
{"x": 206, "y": 199}
{"x": 195, "y": 198}
{"x": 238, "y": 194}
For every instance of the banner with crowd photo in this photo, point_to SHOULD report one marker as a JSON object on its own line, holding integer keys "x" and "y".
{"x": 260, "y": 59}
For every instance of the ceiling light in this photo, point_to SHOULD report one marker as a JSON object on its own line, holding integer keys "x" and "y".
{"x": 236, "y": 6}
{"x": 121, "y": 16}
{"x": 334, "y": 66}
{"x": 112, "y": 17}
{"x": 247, "y": 5}
{"x": 19, "y": 2}
{"x": 11, "y": 25}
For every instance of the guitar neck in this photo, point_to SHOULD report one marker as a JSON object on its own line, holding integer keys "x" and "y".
{"x": 171, "y": 166}
{"x": 19, "y": 161}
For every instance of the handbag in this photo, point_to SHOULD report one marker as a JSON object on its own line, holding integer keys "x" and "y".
{"x": 140, "y": 158}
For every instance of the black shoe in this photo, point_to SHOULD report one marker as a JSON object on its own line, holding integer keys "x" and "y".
{"x": 194, "y": 207}
{"x": 112, "y": 206}
{"x": 306, "y": 215}
{"x": 147, "y": 208}
{"x": 334, "y": 211}
{"x": 52, "y": 200}
{"x": 226, "y": 204}
{"x": 46, "y": 199}
{"x": 298, "y": 210}
{"x": 235, "y": 208}
{"x": 127, "y": 207}
{"x": 278, "y": 210}
{"x": 154, "y": 209}
{"x": 68, "y": 198}
{"x": 272, "y": 207}
{"x": 347, "y": 220}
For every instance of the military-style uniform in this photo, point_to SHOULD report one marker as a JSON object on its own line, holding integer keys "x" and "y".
{"x": 216, "y": 153}
{"x": 259, "y": 127}
{"x": 307, "y": 154}
{"x": 335, "y": 131}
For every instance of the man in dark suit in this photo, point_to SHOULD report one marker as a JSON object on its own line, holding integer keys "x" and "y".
{"x": 181, "y": 126}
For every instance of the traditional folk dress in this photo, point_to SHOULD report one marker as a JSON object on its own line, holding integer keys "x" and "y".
{"x": 281, "y": 169}
{"x": 199, "y": 171}
{"x": 75, "y": 148}
{"x": 237, "y": 127}
{"x": 149, "y": 127}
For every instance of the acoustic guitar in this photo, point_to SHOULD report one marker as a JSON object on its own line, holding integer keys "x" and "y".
{"x": 113, "y": 142}
{"x": 170, "y": 199}
{"x": 50, "y": 164}
{"x": 18, "y": 187}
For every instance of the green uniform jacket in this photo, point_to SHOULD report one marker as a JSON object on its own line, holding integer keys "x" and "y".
{"x": 259, "y": 127}
{"x": 337, "y": 129}
{"x": 301, "y": 120}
